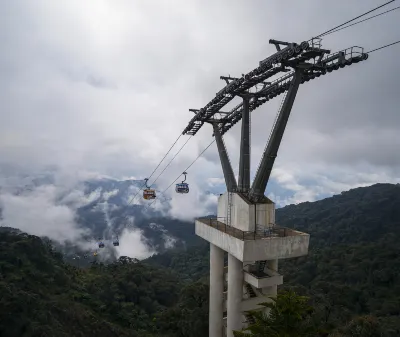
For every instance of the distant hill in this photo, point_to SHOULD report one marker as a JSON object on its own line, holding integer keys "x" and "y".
{"x": 361, "y": 215}
{"x": 107, "y": 207}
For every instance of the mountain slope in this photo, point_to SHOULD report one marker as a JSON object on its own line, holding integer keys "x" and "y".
{"x": 40, "y": 295}
{"x": 365, "y": 214}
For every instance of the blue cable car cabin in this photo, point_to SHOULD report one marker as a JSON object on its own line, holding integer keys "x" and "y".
{"x": 182, "y": 188}
{"x": 101, "y": 244}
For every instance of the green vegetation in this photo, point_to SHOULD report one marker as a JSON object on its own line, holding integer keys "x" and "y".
{"x": 289, "y": 316}
{"x": 348, "y": 285}
{"x": 40, "y": 295}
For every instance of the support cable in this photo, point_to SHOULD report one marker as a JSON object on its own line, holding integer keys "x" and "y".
{"x": 356, "y": 23}
{"x": 388, "y": 45}
{"x": 171, "y": 161}
{"x": 141, "y": 188}
{"x": 185, "y": 170}
{"x": 372, "y": 10}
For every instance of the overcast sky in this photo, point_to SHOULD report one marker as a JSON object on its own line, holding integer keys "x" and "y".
{"x": 105, "y": 87}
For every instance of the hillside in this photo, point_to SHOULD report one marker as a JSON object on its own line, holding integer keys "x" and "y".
{"x": 40, "y": 295}
{"x": 352, "y": 270}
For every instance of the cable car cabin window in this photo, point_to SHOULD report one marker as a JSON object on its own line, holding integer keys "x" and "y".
{"x": 149, "y": 194}
{"x": 182, "y": 188}
{"x": 116, "y": 243}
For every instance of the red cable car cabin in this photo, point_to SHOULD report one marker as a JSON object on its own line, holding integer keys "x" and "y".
{"x": 149, "y": 194}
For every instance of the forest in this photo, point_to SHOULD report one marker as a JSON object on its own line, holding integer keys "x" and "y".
{"x": 348, "y": 285}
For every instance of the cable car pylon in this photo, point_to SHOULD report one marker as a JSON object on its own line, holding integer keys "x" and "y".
{"x": 245, "y": 216}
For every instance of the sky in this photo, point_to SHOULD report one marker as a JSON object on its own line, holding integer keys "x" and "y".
{"x": 105, "y": 87}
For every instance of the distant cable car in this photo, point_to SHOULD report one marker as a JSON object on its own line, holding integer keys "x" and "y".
{"x": 148, "y": 193}
{"x": 101, "y": 244}
{"x": 116, "y": 241}
{"x": 95, "y": 253}
{"x": 182, "y": 187}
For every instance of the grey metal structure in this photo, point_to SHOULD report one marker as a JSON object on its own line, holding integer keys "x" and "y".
{"x": 297, "y": 63}
{"x": 244, "y": 161}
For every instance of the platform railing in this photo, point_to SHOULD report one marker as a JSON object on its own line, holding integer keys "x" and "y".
{"x": 260, "y": 233}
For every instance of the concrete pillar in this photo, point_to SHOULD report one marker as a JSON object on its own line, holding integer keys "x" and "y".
{"x": 235, "y": 295}
{"x": 216, "y": 291}
{"x": 273, "y": 265}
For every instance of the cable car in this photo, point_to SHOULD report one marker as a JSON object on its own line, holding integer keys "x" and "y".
{"x": 148, "y": 193}
{"x": 116, "y": 241}
{"x": 182, "y": 187}
{"x": 101, "y": 244}
{"x": 95, "y": 253}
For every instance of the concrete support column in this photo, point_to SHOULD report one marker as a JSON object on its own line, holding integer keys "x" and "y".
{"x": 235, "y": 295}
{"x": 216, "y": 291}
{"x": 273, "y": 265}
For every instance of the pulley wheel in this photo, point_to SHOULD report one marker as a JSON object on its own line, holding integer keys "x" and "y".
{"x": 304, "y": 45}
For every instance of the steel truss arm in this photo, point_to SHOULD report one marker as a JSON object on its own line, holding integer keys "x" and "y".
{"x": 244, "y": 162}
{"x": 229, "y": 176}
{"x": 271, "y": 150}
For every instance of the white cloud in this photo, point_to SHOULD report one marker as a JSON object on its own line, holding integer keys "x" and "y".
{"x": 37, "y": 213}
{"x": 132, "y": 244}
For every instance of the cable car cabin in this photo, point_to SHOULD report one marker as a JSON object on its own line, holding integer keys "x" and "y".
{"x": 116, "y": 243}
{"x": 149, "y": 194}
{"x": 182, "y": 188}
{"x": 101, "y": 245}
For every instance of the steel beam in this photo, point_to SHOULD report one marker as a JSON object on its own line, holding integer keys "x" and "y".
{"x": 244, "y": 162}
{"x": 271, "y": 150}
{"x": 229, "y": 176}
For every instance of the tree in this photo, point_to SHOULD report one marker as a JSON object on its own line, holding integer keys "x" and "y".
{"x": 288, "y": 315}
{"x": 362, "y": 326}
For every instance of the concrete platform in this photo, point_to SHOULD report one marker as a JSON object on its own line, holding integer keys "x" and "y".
{"x": 280, "y": 243}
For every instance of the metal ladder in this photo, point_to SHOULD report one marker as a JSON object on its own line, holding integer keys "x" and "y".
{"x": 249, "y": 319}
{"x": 250, "y": 290}
{"x": 229, "y": 210}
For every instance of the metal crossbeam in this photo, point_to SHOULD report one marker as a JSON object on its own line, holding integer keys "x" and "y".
{"x": 244, "y": 161}
{"x": 318, "y": 61}
{"x": 308, "y": 61}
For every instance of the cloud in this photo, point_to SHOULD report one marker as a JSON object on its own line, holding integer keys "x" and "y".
{"x": 37, "y": 213}
{"x": 132, "y": 244}
{"x": 317, "y": 183}
{"x": 105, "y": 88}
{"x": 188, "y": 206}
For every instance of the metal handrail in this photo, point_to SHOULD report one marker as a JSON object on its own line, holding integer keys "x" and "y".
{"x": 268, "y": 232}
